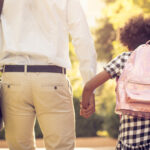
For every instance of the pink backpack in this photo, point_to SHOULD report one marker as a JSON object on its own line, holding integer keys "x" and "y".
{"x": 133, "y": 86}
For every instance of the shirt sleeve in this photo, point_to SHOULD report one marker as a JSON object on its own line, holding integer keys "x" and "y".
{"x": 115, "y": 66}
{"x": 82, "y": 40}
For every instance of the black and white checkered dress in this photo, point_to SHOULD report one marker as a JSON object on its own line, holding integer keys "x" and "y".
{"x": 134, "y": 133}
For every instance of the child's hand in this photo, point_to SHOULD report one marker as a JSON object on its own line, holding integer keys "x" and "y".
{"x": 90, "y": 109}
{"x": 87, "y": 107}
{"x": 87, "y": 98}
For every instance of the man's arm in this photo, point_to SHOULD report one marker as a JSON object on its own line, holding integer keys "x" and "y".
{"x": 82, "y": 40}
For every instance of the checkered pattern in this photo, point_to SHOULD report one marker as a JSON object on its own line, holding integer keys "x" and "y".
{"x": 134, "y": 133}
{"x": 115, "y": 67}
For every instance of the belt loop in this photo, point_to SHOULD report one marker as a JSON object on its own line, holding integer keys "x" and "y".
{"x": 3, "y": 68}
{"x": 25, "y": 68}
{"x": 63, "y": 70}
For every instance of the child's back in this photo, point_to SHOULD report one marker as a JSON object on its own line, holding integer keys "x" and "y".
{"x": 134, "y": 132}
{"x": 133, "y": 86}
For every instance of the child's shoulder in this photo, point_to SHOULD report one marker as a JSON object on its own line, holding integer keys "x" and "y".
{"x": 123, "y": 57}
{"x": 116, "y": 65}
{"x": 124, "y": 54}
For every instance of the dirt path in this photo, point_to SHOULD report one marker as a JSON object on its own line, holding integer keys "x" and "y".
{"x": 80, "y": 142}
{"x": 95, "y": 142}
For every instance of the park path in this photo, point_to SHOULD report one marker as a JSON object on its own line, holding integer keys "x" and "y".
{"x": 94, "y": 143}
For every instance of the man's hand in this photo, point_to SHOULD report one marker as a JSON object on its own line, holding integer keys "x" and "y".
{"x": 87, "y": 111}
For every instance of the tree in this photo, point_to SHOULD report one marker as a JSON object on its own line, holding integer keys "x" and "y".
{"x": 104, "y": 37}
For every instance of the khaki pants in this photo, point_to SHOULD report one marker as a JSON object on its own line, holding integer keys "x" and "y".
{"x": 47, "y": 96}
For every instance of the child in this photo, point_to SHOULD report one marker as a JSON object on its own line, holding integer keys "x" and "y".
{"x": 134, "y": 132}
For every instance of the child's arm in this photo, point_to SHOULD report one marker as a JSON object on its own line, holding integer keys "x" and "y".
{"x": 90, "y": 86}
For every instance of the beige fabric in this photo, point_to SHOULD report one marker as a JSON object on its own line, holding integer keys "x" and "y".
{"x": 45, "y": 95}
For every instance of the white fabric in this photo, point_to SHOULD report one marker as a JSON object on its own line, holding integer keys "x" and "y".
{"x": 36, "y": 32}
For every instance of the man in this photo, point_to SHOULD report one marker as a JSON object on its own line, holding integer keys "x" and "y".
{"x": 35, "y": 56}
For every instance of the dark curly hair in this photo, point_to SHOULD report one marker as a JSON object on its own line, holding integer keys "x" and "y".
{"x": 135, "y": 32}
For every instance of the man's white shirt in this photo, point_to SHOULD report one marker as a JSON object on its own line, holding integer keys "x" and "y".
{"x": 36, "y": 32}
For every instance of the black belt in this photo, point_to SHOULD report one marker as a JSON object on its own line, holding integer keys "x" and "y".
{"x": 34, "y": 68}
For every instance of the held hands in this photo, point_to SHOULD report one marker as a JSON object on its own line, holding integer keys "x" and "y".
{"x": 87, "y": 106}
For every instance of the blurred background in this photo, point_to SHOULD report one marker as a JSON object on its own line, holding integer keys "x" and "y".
{"x": 105, "y": 18}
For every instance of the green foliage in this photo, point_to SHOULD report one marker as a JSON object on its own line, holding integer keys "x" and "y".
{"x": 105, "y": 106}
{"x": 118, "y": 48}
{"x": 112, "y": 125}
{"x": 38, "y": 133}
{"x": 87, "y": 127}
{"x": 2, "y": 134}
{"x": 120, "y": 11}
{"x": 115, "y": 14}
{"x": 104, "y": 37}
{"x": 74, "y": 73}
{"x": 109, "y": 1}
{"x": 144, "y": 4}
{"x": 84, "y": 127}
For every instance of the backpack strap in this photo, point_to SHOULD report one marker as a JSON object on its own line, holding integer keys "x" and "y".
{"x": 1, "y": 5}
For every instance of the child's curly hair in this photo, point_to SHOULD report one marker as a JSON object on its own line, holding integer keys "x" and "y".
{"x": 135, "y": 32}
